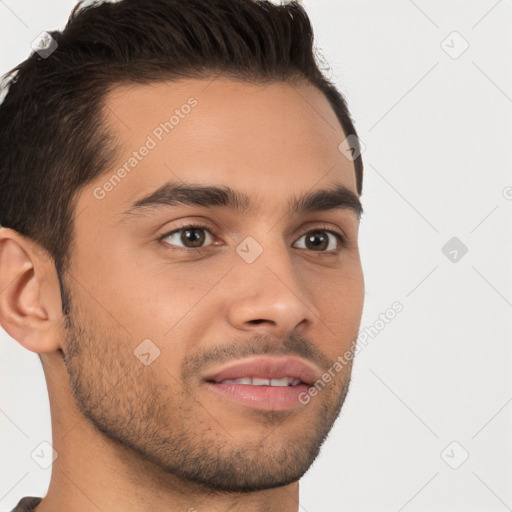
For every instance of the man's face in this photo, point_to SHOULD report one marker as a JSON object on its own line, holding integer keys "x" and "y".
{"x": 158, "y": 320}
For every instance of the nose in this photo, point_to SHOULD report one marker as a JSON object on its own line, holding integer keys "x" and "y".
{"x": 269, "y": 296}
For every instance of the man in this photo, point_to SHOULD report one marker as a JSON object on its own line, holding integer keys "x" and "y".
{"x": 179, "y": 245}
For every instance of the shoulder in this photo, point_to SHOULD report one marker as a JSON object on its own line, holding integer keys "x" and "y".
{"x": 27, "y": 504}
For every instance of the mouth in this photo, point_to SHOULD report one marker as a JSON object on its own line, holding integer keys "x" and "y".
{"x": 263, "y": 383}
{"x": 258, "y": 381}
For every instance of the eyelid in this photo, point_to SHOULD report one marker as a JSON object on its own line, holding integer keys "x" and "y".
{"x": 325, "y": 226}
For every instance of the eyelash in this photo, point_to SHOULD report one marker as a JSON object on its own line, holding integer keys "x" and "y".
{"x": 341, "y": 239}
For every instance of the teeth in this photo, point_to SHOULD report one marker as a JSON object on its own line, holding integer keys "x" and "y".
{"x": 260, "y": 382}
{"x": 245, "y": 380}
{"x": 257, "y": 381}
{"x": 280, "y": 382}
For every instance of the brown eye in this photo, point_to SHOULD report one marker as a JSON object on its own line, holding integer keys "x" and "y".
{"x": 188, "y": 237}
{"x": 321, "y": 240}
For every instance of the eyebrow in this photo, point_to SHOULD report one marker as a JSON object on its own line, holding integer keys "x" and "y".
{"x": 172, "y": 194}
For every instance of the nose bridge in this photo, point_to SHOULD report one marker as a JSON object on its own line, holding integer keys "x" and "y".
{"x": 268, "y": 287}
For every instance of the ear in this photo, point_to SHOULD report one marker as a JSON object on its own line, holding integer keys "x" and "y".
{"x": 30, "y": 302}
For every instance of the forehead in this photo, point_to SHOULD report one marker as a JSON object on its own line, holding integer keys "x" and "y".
{"x": 261, "y": 139}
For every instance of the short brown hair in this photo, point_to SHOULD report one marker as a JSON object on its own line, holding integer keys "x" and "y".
{"x": 52, "y": 137}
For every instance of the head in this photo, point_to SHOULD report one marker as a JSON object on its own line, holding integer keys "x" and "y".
{"x": 171, "y": 173}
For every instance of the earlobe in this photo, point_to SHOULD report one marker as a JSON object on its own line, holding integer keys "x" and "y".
{"x": 29, "y": 310}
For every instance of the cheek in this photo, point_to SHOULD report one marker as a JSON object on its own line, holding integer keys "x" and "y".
{"x": 342, "y": 288}
{"x": 139, "y": 295}
{"x": 352, "y": 295}
{"x": 164, "y": 303}
{"x": 340, "y": 301}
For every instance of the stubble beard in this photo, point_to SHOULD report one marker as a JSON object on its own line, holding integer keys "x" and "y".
{"x": 158, "y": 421}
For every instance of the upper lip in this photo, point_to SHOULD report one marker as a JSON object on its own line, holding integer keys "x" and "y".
{"x": 266, "y": 368}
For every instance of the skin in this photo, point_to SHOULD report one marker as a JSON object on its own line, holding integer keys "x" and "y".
{"x": 132, "y": 437}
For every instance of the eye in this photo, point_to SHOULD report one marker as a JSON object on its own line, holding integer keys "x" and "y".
{"x": 195, "y": 237}
{"x": 192, "y": 237}
{"x": 322, "y": 240}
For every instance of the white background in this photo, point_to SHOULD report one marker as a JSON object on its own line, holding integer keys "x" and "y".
{"x": 438, "y": 136}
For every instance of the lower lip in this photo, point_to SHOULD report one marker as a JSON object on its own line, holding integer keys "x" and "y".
{"x": 264, "y": 398}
